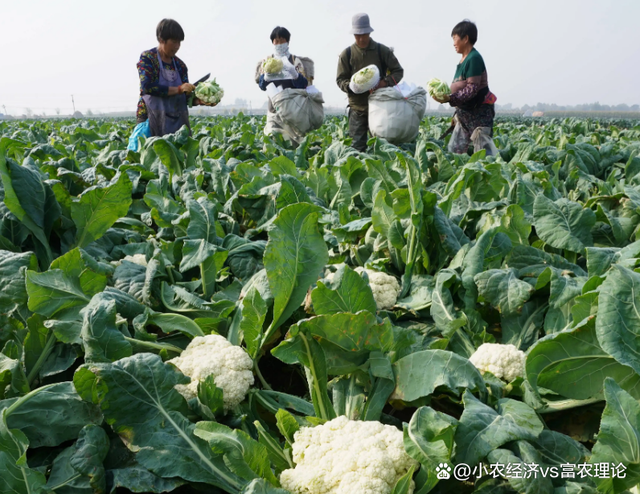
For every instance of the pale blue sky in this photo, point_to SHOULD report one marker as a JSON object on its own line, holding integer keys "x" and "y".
{"x": 562, "y": 51}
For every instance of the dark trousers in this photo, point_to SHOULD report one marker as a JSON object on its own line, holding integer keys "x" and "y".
{"x": 358, "y": 128}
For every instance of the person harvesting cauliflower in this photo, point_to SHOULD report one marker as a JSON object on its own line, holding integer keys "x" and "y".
{"x": 213, "y": 354}
{"x": 385, "y": 288}
{"x": 503, "y": 361}
{"x": 346, "y": 456}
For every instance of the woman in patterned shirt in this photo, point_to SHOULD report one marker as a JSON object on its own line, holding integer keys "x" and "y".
{"x": 470, "y": 95}
{"x": 164, "y": 82}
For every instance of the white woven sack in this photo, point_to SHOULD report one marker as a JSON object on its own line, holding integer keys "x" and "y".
{"x": 299, "y": 111}
{"x": 394, "y": 117}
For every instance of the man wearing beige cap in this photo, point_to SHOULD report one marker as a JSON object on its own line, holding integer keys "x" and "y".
{"x": 364, "y": 52}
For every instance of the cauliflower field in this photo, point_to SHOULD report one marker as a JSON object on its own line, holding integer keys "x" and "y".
{"x": 223, "y": 313}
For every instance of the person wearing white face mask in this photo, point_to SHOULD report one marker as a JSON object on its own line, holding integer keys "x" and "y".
{"x": 298, "y": 74}
{"x": 303, "y": 66}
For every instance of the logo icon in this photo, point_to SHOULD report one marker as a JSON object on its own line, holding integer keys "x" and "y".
{"x": 443, "y": 471}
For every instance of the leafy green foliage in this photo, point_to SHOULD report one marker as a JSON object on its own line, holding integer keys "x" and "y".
{"x": 112, "y": 261}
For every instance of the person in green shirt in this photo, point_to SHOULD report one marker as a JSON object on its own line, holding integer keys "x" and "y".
{"x": 364, "y": 52}
{"x": 470, "y": 95}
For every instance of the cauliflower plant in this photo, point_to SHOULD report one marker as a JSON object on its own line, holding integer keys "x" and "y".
{"x": 140, "y": 259}
{"x": 346, "y": 456}
{"x": 503, "y": 361}
{"x": 213, "y": 354}
{"x": 385, "y": 288}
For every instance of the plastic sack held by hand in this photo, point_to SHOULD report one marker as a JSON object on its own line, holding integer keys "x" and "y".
{"x": 365, "y": 79}
{"x": 287, "y": 70}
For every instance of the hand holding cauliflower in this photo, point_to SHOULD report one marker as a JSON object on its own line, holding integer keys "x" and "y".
{"x": 272, "y": 65}
{"x": 213, "y": 354}
{"x": 346, "y": 456}
{"x": 365, "y": 79}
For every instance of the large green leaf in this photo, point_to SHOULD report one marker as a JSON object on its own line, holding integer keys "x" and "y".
{"x": 618, "y": 321}
{"x": 294, "y": 257}
{"x": 521, "y": 328}
{"x": 53, "y": 291}
{"x": 448, "y": 318}
{"x": 65, "y": 479}
{"x": 382, "y": 214}
{"x": 352, "y": 294}
{"x": 99, "y": 208}
{"x": 420, "y": 373}
{"x": 563, "y": 224}
{"x": 246, "y": 457}
{"x": 573, "y": 364}
{"x": 102, "y": 340}
{"x": 13, "y": 381}
{"x": 254, "y": 312}
{"x": 19, "y": 200}
{"x": 556, "y": 448}
{"x": 167, "y": 154}
{"x": 351, "y": 332}
{"x": 17, "y": 477}
{"x": 91, "y": 449}
{"x": 515, "y": 225}
{"x": 482, "y": 429}
{"x": 196, "y": 252}
{"x": 202, "y": 220}
{"x": 503, "y": 290}
{"x": 538, "y": 484}
{"x": 618, "y": 439}
{"x": 158, "y": 430}
{"x": 303, "y": 349}
{"x": 12, "y": 274}
{"x": 51, "y": 415}
{"x": 428, "y": 438}
{"x": 77, "y": 264}
{"x": 139, "y": 479}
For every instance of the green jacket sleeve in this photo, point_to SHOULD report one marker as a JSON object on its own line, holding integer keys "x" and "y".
{"x": 393, "y": 66}
{"x": 343, "y": 76}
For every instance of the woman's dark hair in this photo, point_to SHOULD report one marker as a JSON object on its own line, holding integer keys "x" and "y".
{"x": 466, "y": 28}
{"x": 280, "y": 32}
{"x": 169, "y": 29}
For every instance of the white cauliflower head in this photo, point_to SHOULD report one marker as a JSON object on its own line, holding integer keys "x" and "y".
{"x": 272, "y": 65}
{"x": 503, "y": 361}
{"x": 140, "y": 259}
{"x": 385, "y": 288}
{"x": 213, "y": 354}
{"x": 346, "y": 456}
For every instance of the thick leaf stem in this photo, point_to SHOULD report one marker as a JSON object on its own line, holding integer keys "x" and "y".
{"x": 203, "y": 277}
{"x": 155, "y": 346}
{"x": 322, "y": 406}
{"x": 265, "y": 384}
{"x": 560, "y": 405}
{"x": 20, "y": 401}
{"x": 44, "y": 355}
